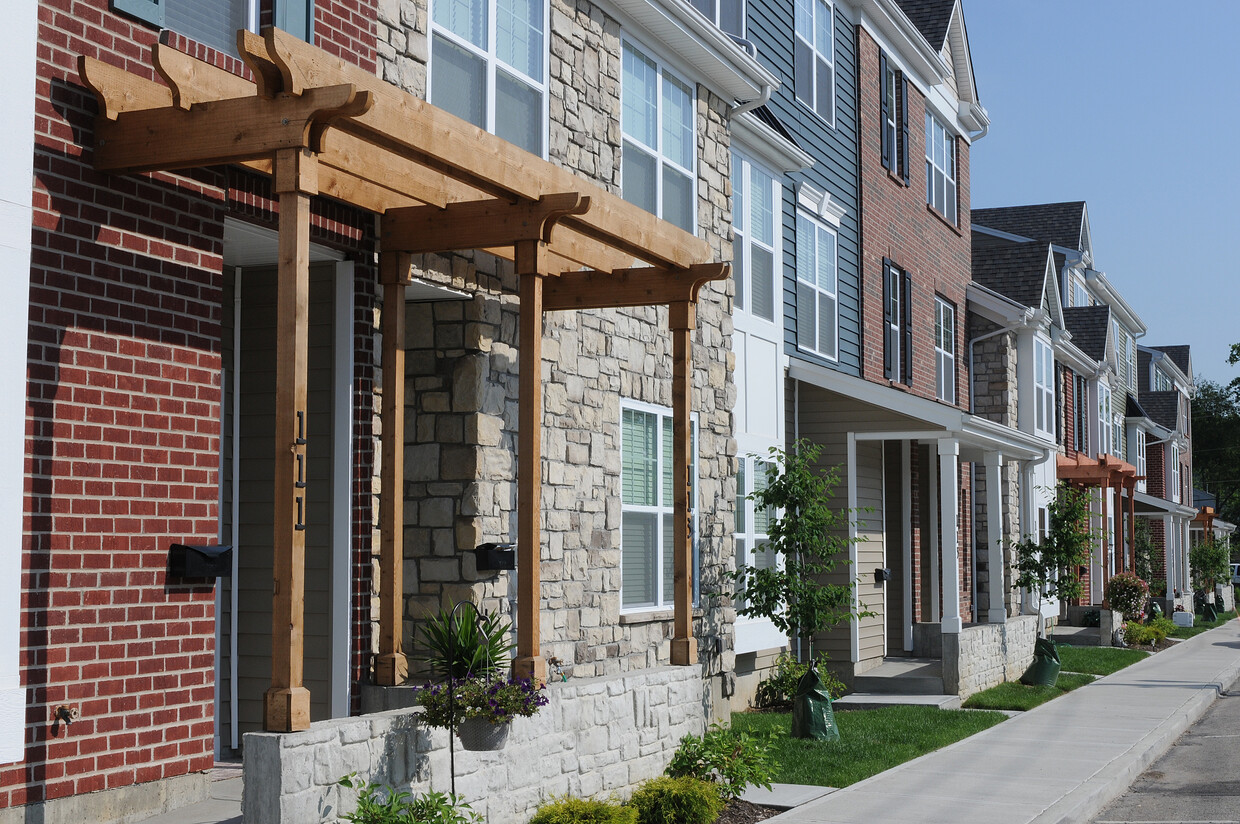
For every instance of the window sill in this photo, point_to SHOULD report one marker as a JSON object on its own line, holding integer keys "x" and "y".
{"x": 896, "y": 178}
{"x": 807, "y": 107}
{"x": 942, "y": 217}
{"x": 652, "y": 615}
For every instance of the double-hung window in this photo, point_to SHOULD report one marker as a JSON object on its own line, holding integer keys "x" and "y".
{"x": 1117, "y": 434}
{"x": 729, "y": 15}
{"x": 1104, "y": 419}
{"x": 817, "y": 287}
{"x": 1162, "y": 381}
{"x": 215, "y": 23}
{"x": 897, "y": 324}
{"x": 488, "y": 66}
{"x": 657, "y": 159}
{"x": 1137, "y": 448}
{"x": 1044, "y": 388}
{"x": 755, "y": 242}
{"x": 1174, "y": 480}
{"x": 752, "y": 521}
{"x": 894, "y": 118}
{"x": 646, "y": 531}
{"x": 945, "y": 350}
{"x": 940, "y": 168}
{"x": 815, "y": 56}
{"x": 1080, "y": 414}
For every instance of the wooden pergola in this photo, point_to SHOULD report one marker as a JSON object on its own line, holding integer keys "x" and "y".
{"x": 321, "y": 126}
{"x": 1108, "y": 473}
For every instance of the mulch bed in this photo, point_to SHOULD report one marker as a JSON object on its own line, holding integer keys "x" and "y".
{"x": 1159, "y": 647}
{"x": 742, "y": 812}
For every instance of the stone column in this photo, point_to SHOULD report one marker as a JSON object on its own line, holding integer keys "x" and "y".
{"x": 949, "y": 455}
{"x": 994, "y": 537}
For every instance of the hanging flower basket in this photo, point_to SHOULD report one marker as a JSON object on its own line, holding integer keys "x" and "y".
{"x": 480, "y": 735}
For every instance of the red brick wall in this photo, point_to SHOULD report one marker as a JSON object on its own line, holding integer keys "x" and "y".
{"x": 123, "y": 426}
{"x": 1067, "y": 390}
{"x": 1156, "y": 478}
{"x": 897, "y": 224}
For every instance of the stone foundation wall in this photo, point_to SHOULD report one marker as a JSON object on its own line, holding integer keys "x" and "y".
{"x": 596, "y": 736}
{"x": 984, "y": 655}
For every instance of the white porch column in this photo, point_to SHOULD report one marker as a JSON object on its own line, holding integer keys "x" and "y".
{"x": 1188, "y": 571}
{"x": 994, "y": 538}
{"x": 854, "y": 627}
{"x": 949, "y": 456}
{"x": 932, "y": 542}
{"x": 1170, "y": 561}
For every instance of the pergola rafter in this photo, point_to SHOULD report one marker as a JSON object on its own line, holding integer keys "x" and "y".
{"x": 1106, "y": 472}
{"x": 321, "y": 126}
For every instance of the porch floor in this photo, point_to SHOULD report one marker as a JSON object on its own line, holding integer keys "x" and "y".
{"x": 222, "y": 805}
{"x": 900, "y": 681}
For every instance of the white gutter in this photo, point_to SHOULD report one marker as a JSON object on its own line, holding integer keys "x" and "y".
{"x": 754, "y": 137}
{"x": 761, "y": 100}
{"x": 1116, "y": 301}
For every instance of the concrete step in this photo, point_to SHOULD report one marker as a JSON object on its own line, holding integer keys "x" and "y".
{"x": 874, "y": 701}
{"x": 903, "y": 676}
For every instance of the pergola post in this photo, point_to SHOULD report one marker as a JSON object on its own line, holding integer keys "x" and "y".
{"x": 1106, "y": 544}
{"x": 682, "y": 318}
{"x": 994, "y": 538}
{"x": 949, "y": 453}
{"x": 529, "y": 662}
{"x": 286, "y": 705}
{"x": 1131, "y": 486}
{"x": 392, "y": 667}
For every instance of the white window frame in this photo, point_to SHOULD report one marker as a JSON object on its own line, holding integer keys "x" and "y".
{"x": 493, "y": 64}
{"x": 1104, "y": 419}
{"x": 1079, "y": 294}
{"x": 944, "y": 358}
{"x": 1117, "y": 434}
{"x": 746, "y": 238}
{"x": 712, "y": 10}
{"x": 1136, "y": 448}
{"x": 665, "y": 75}
{"x": 940, "y": 149}
{"x": 1174, "y": 472}
{"x": 1043, "y": 388}
{"x": 807, "y": 12}
{"x": 1162, "y": 381}
{"x": 807, "y": 287}
{"x": 663, "y": 508}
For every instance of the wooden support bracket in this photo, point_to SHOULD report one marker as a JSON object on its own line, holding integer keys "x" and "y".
{"x": 630, "y": 287}
{"x": 478, "y": 224}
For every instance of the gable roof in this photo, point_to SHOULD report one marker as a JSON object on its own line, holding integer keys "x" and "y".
{"x": 931, "y": 17}
{"x": 1133, "y": 408}
{"x": 1062, "y": 224}
{"x": 1090, "y": 326}
{"x": 1014, "y": 270}
{"x": 1163, "y": 408}
{"x": 1179, "y": 356}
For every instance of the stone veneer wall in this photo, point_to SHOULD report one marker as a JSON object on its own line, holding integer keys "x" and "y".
{"x": 983, "y": 655}
{"x": 462, "y": 388}
{"x": 597, "y": 736}
{"x": 995, "y": 398}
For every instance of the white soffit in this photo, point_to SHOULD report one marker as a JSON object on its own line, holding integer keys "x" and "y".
{"x": 694, "y": 45}
{"x": 759, "y": 140}
{"x": 424, "y": 291}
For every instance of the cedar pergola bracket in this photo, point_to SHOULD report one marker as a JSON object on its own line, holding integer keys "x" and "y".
{"x": 478, "y": 224}
{"x": 649, "y": 286}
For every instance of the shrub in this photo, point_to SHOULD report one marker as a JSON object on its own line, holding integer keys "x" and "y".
{"x": 779, "y": 688}
{"x": 1163, "y": 626}
{"x": 469, "y": 643}
{"x": 1152, "y": 633}
{"x": 684, "y": 800}
{"x": 584, "y": 811}
{"x": 726, "y": 757}
{"x": 1127, "y": 594}
{"x": 377, "y": 804}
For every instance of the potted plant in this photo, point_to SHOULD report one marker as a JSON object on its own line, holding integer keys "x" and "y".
{"x": 481, "y": 710}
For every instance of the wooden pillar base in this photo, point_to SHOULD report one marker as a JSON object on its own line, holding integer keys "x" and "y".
{"x": 286, "y": 709}
{"x": 391, "y": 670}
{"x": 684, "y": 652}
{"x": 533, "y": 668}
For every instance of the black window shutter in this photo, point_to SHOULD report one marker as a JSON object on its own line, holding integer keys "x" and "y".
{"x": 884, "y": 113}
{"x": 907, "y": 308}
{"x": 888, "y": 360}
{"x": 152, "y": 11}
{"x": 904, "y": 127}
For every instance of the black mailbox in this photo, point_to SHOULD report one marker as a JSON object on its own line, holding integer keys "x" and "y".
{"x": 882, "y": 574}
{"x": 488, "y": 557}
{"x": 199, "y": 561}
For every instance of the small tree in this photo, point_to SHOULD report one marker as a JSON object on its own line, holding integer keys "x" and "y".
{"x": 809, "y": 537}
{"x": 1210, "y": 563}
{"x": 1051, "y": 567}
{"x": 1143, "y": 544}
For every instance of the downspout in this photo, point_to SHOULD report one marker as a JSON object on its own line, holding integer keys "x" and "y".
{"x": 761, "y": 100}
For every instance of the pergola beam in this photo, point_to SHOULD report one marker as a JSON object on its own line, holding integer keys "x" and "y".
{"x": 629, "y": 287}
{"x": 478, "y": 224}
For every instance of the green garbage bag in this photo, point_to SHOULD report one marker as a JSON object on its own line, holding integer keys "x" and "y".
{"x": 812, "y": 716}
{"x": 1044, "y": 670}
{"x": 1156, "y": 611}
{"x": 1208, "y": 612}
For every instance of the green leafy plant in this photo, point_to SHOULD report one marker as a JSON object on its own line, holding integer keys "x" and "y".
{"x": 471, "y": 643}
{"x": 779, "y": 687}
{"x": 446, "y": 705}
{"x": 809, "y": 537}
{"x": 1210, "y": 563}
{"x": 1050, "y": 568}
{"x": 584, "y": 811}
{"x": 378, "y": 804}
{"x": 1143, "y": 548}
{"x": 729, "y": 758}
{"x": 1127, "y": 595}
{"x": 1142, "y": 635}
{"x": 685, "y": 800}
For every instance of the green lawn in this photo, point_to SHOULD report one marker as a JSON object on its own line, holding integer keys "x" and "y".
{"x": 1014, "y": 695}
{"x": 870, "y": 741}
{"x": 1200, "y": 626}
{"x": 1097, "y": 660}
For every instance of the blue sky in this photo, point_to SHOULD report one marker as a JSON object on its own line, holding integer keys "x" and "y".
{"x": 1130, "y": 106}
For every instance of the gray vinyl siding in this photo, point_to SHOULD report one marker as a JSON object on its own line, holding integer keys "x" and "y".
{"x": 770, "y": 26}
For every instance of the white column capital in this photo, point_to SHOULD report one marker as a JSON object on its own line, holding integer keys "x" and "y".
{"x": 994, "y": 459}
{"x": 949, "y": 446}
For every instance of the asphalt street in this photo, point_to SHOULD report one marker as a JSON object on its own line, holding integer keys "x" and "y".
{"x": 1197, "y": 781}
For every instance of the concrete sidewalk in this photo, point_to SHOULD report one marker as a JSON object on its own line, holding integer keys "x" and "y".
{"x": 1059, "y": 763}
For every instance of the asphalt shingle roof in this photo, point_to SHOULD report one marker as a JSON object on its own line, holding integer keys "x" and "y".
{"x": 1143, "y": 369}
{"x": 1089, "y": 326}
{"x": 931, "y": 18}
{"x": 1163, "y": 408}
{"x": 1179, "y": 356}
{"x": 1014, "y": 270}
{"x": 1057, "y": 223}
{"x": 1133, "y": 409}
{"x": 766, "y": 116}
